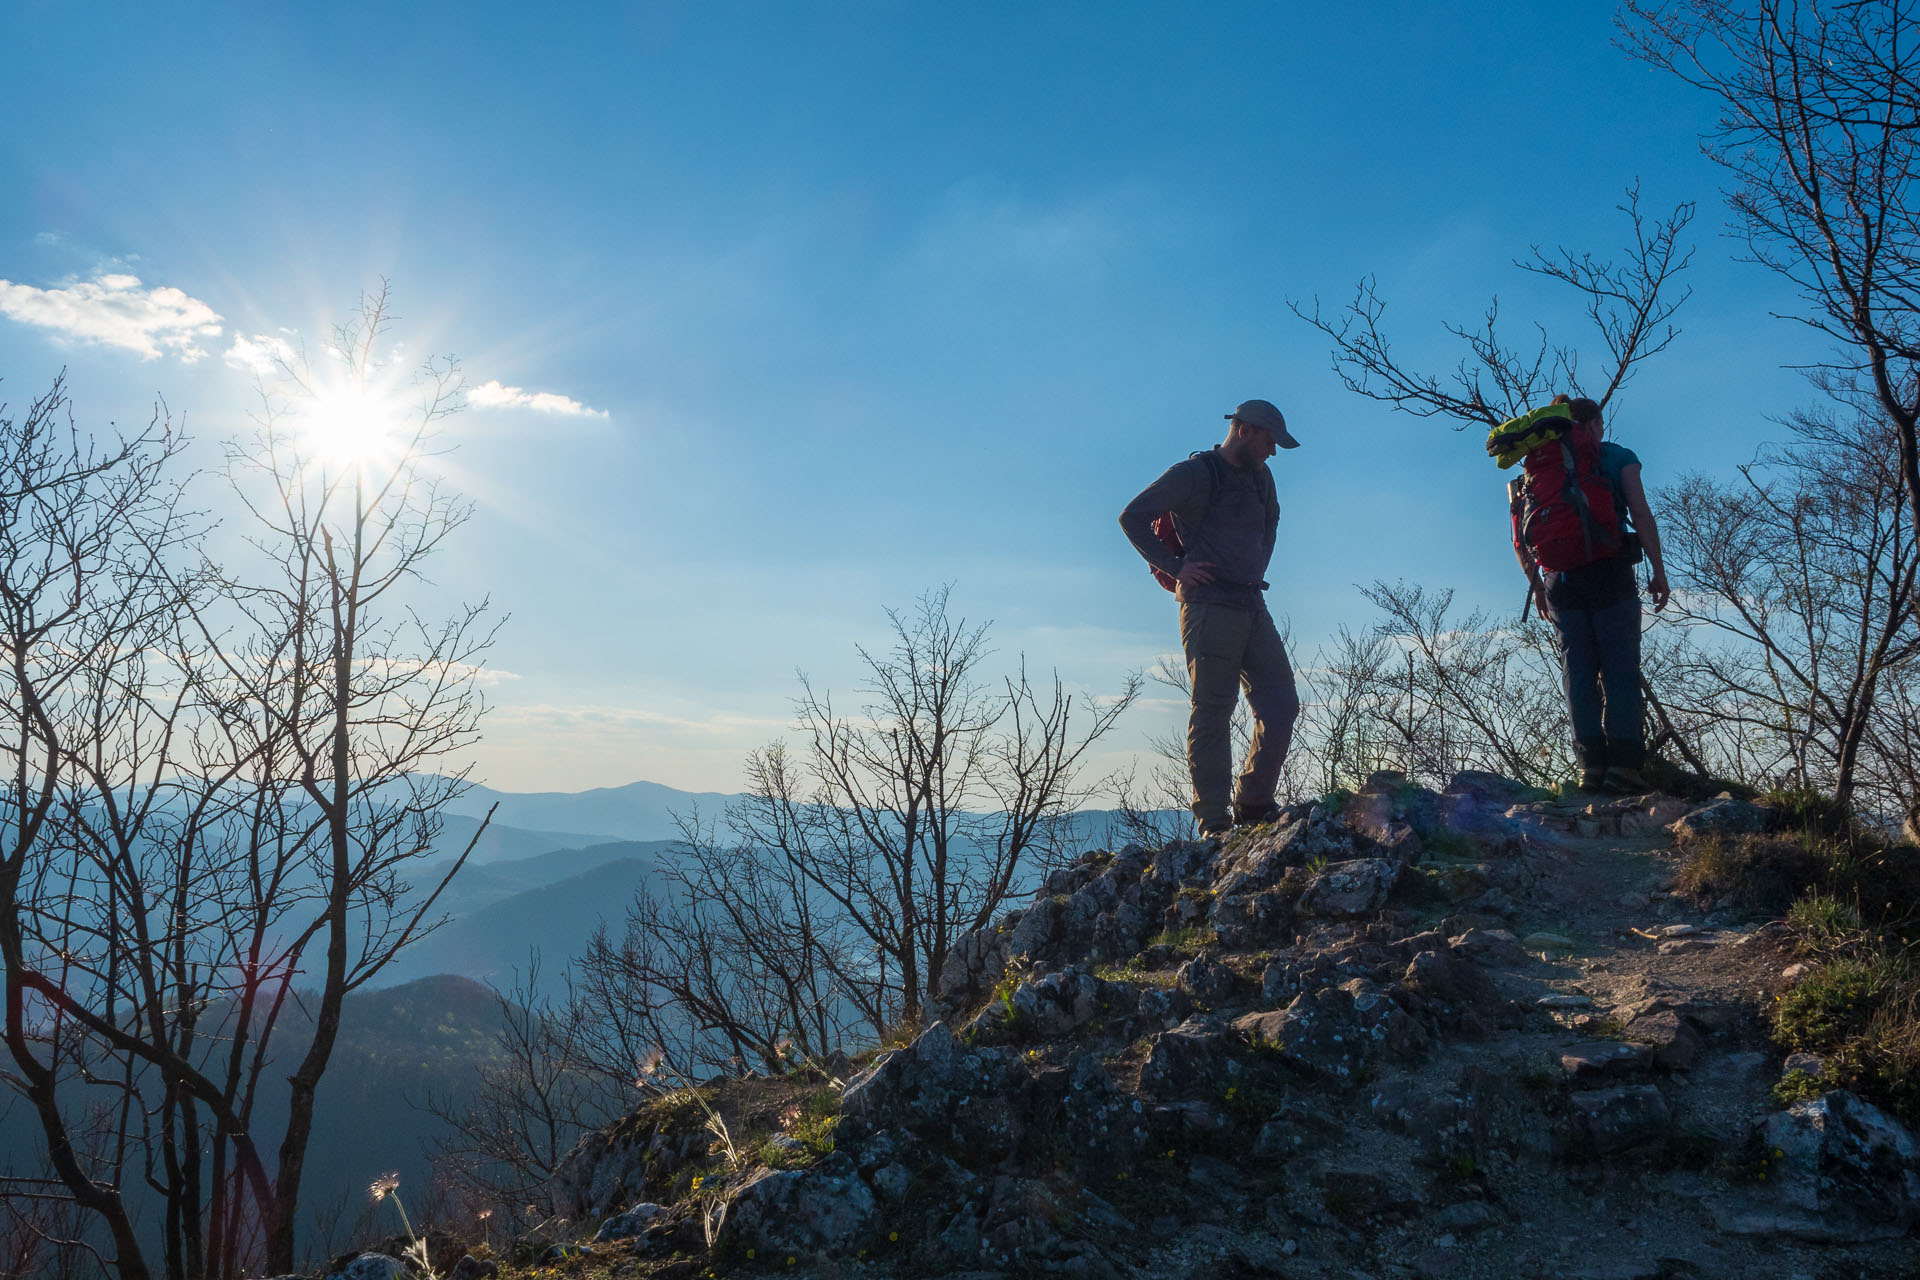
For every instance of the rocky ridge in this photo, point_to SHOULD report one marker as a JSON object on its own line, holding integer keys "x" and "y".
{"x": 1397, "y": 1034}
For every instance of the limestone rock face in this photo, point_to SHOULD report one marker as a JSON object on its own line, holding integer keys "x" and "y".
{"x": 1099, "y": 910}
{"x": 825, "y": 1209}
{"x": 1839, "y": 1169}
{"x": 1192, "y": 1059}
{"x": 372, "y": 1266}
{"x": 1347, "y": 889}
{"x": 1320, "y": 1047}
{"x": 1723, "y": 817}
{"x": 1334, "y": 1031}
{"x": 633, "y": 1222}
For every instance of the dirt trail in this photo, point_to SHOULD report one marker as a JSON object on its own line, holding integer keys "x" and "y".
{"x": 1523, "y": 1209}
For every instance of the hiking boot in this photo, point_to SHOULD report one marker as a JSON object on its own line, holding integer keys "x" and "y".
{"x": 1255, "y": 815}
{"x": 1624, "y": 758}
{"x": 1624, "y": 781}
{"x": 1591, "y": 753}
{"x": 1216, "y": 831}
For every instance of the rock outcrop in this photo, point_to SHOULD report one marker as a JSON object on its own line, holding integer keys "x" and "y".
{"x": 1386, "y": 1034}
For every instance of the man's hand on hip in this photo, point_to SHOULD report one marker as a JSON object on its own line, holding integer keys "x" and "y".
{"x": 1195, "y": 573}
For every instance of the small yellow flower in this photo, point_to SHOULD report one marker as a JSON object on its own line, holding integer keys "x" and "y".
{"x": 789, "y": 1259}
{"x": 893, "y": 1235}
{"x": 749, "y": 1254}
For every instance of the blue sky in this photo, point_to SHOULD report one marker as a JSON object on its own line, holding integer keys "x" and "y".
{"x": 844, "y": 301}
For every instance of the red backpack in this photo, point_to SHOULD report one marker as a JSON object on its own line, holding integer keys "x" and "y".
{"x": 1563, "y": 507}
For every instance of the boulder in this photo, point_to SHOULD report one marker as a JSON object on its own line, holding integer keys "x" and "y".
{"x": 1604, "y": 1060}
{"x": 1722, "y": 817}
{"x": 1452, "y": 989}
{"x": 1477, "y": 802}
{"x": 912, "y": 1085}
{"x": 1049, "y": 1006}
{"x": 1488, "y": 946}
{"x": 1194, "y": 1058}
{"x": 823, "y": 1210}
{"x": 1676, "y": 1045}
{"x": 1837, "y": 1169}
{"x": 371, "y": 1266}
{"x": 1333, "y": 1031}
{"x": 1243, "y": 921}
{"x": 1206, "y": 981}
{"x": 1614, "y": 1120}
{"x": 1344, "y": 890}
{"x": 1260, "y": 861}
{"x": 634, "y": 1222}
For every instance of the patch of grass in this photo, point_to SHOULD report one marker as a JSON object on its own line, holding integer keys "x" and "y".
{"x": 1760, "y": 873}
{"x": 1798, "y": 1086}
{"x": 1135, "y": 972}
{"x": 1187, "y": 942}
{"x": 1824, "y": 923}
{"x": 900, "y": 1034}
{"x": 1860, "y": 1011}
{"x": 1833, "y": 1005}
{"x": 1820, "y": 818}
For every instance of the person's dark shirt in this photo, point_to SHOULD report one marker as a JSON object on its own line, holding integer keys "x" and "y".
{"x": 1232, "y": 529}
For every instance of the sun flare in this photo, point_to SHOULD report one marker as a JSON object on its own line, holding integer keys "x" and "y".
{"x": 352, "y": 424}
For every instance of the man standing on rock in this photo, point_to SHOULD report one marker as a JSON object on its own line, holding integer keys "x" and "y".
{"x": 1212, "y": 550}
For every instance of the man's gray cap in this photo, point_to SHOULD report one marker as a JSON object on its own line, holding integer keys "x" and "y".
{"x": 1262, "y": 414}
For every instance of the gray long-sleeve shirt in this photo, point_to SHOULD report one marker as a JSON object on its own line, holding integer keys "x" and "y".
{"x": 1234, "y": 532}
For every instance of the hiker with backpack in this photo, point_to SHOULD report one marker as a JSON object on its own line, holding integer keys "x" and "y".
{"x": 1206, "y": 529}
{"x": 1580, "y": 524}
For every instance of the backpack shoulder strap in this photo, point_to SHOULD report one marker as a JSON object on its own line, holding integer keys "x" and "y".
{"x": 1212, "y": 458}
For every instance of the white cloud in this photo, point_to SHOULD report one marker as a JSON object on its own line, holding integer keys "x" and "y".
{"x": 261, "y": 354}
{"x": 114, "y": 309}
{"x": 492, "y": 395}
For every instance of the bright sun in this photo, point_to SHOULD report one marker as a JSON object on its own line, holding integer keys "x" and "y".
{"x": 351, "y": 424}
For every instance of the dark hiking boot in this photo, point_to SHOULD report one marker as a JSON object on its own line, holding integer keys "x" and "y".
{"x": 1623, "y": 781}
{"x": 1255, "y": 815}
{"x": 1592, "y": 755}
{"x": 1624, "y": 759}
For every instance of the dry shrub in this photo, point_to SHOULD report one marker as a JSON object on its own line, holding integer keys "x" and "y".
{"x": 1762, "y": 873}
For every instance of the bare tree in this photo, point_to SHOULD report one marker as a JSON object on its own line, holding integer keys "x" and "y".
{"x": 1477, "y": 694}
{"x": 220, "y": 781}
{"x": 1819, "y": 125}
{"x": 354, "y": 698}
{"x": 735, "y": 958}
{"x": 823, "y": 915}
{"x": 1799, "y": 578}
{"x": 1629, "y": 304}
{"x": 80, "y": 526}
{"x": 545, "y": 1085}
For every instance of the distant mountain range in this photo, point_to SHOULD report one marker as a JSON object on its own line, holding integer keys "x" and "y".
{"x": 553, "y": 865}
{"x": 504, "y": 913}
{"x": 637, "y": 811}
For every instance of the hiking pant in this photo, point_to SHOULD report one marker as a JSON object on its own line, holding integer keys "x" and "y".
{"x": 1229, "y": 648}
{"x": 1596, "y": 616}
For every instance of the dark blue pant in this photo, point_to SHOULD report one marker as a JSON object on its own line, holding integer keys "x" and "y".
{"x": 1596, "y": 613}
